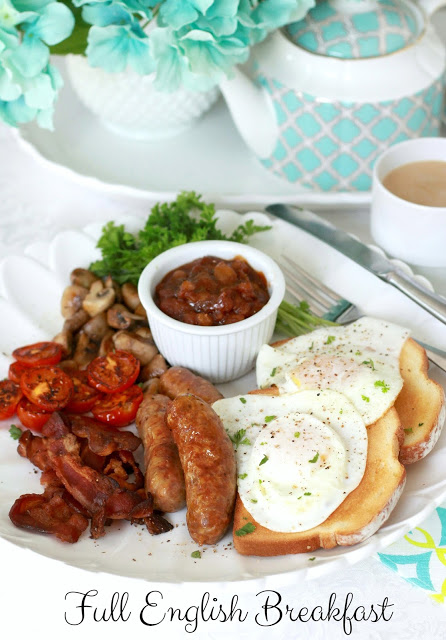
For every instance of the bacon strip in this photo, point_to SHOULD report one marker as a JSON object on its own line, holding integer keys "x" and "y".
{"x": 48, "y": 513}
{"x": 103, "y": 439}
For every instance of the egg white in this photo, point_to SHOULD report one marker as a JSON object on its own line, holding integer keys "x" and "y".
{"x": 298, "y": 455}
{"x": 360, "y": 360}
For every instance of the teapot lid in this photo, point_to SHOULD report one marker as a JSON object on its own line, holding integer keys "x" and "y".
{"x": 356, "y": 28}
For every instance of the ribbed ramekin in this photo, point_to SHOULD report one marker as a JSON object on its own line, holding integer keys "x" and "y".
{"x": 220, "y": 353}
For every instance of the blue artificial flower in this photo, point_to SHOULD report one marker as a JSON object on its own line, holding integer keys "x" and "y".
{"x": 178, "y": 13}
{"x": 28, "y": 83}
{"x": 115, "y": 46}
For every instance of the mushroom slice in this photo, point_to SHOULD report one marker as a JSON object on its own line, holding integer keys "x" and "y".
{"x": 119, "y": 317}
{"x": 65, "y": 339}
{"x": 145, "y": 333}
{"x": 76, "y": 321}
{"x": 107, "y": 343}
{"x": 112, "y": 284}
{"x": 130, "y": 295}
{"x": 72, "y": 300}
{"x": 140, "y": 311}
{"x": 83, "y": 277}
{"x": 86, "y": 350}
{"x": 99, "y": 299}
{"x": 154, "y": 369}
{"x": 141, "y": 348}
{"x": 97, "y": 327}
{"x": 151, "y": 387}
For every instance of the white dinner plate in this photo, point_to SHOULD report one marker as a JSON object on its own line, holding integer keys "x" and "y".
{"x": 210, "y": 158}
{"x": 31, "y": 287}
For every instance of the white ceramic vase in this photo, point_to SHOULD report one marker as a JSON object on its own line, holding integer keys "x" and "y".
{"x": 128, "y": 103}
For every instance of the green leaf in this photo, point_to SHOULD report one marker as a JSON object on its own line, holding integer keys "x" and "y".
{"x": 196, "y": 554}
{"x": 243, "y": 531}
{"x": 15, "y": 432}
{"x": 77, "y": 42}
{"x": 263, "y": 460}
{"x": 315, "y": 459}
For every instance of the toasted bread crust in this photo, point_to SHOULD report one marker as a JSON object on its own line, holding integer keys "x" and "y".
{"x": 420, "y": 404}
{"x": 357, "y": 518}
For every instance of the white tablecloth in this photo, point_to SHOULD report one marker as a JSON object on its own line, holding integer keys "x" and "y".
{"x": 35, "y": 204}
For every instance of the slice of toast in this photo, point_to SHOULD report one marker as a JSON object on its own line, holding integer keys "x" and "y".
{"x": 420, "y": 404}
{"x": 358, "y": 517}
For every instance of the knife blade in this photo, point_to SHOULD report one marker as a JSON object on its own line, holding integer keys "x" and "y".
{"x": 362, "y": 255}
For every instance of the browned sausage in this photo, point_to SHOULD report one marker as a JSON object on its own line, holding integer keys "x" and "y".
{"x": 208, "y": 461}
{"x": 179, "y": 381}
{"x": 164, "y": 475}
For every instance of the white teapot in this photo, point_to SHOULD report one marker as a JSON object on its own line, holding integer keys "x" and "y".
{"x": 326, "y": 95}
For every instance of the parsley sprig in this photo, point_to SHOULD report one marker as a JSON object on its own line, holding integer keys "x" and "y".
{"x": 187, "y": 219}
{"x": 239, "y": 438}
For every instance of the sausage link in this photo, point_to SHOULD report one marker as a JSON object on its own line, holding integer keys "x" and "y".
{"x": 164, "y": 477}
{"x": 208, "y": 462}
{"x": 179, "y": 381}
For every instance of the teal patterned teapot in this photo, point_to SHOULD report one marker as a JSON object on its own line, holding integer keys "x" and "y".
{"x": 326, "y": 95}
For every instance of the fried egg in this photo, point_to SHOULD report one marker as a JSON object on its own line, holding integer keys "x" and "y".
{"x": 298, "y": 456}
{"x": 360, "y": 360}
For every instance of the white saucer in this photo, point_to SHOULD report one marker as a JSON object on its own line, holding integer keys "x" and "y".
{"x": 210, "y": 158}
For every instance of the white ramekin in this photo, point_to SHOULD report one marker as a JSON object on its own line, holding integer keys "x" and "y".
{"x": 219, "y": 353}
{"x": 412, "y": 232}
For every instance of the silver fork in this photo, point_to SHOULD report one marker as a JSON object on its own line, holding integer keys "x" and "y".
{"x": 326, "y": 303}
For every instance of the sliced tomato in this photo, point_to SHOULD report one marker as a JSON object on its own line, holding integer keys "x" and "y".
{"x": 49, "y": 388}
{"x": 39, "y": 354}
{"x": 116, "y": 371}
{"x": 119, "y": 409}
{"x": 10, "y": 394}
{"x": 84, "y": 396}
{"x": 15, "y": 371}
{"x": 31, "y": 416}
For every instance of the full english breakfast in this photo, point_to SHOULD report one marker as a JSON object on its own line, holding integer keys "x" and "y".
{"x": 313, "y": 457}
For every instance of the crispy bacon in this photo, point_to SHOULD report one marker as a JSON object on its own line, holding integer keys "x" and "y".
{"x": 100, "y": 495}
{"x": 86, "y": 474}
{"x": 120, "y": 466}
{"x": 48, "y": 513}
{"x": 103, "y": 439}
{"x": 35, "y": 449}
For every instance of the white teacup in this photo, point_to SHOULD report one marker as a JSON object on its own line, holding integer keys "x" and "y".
{"x": 413, "y": 232}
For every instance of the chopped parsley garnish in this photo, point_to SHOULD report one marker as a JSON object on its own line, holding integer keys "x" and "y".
{"x": 247, "y": 528}
{"x": 242, "y": 400}
{"x": 273, "y": 372}
{"x": 253, "y": 500}
{"x": 420, "y": 424}
{"x": 369, "y": 363}
{"x": 263, "y": 460}
{"x": 341, "y": 411}
{"x": 311, "y": 559}
{"x": 242, "y": 476}
{"x": 311, "y": 348}
{"x": 358, "y": 353}
{"x": 307, "y": 493}
{"x": 315, "y": 459}
{"x": 269, "y": 418}
{"x": 365, "y": 398}
{"x": 408, "y": 430}
{"x": 187, "y": 219}
{"x": 15, "y": 432}
{"x": 239, "y": 438}
{"x": 196, "y": 554}
{"x": 330, "y": 339}
{"x": 384, "y": 387}
{"x": 297, "y": 434}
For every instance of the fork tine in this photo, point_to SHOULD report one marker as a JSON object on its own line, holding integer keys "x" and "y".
{"x": 331, "y": 295}
{"x": 308, "y": 290}
{"x": 300, "y": 295}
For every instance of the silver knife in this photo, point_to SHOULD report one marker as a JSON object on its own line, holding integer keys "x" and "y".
{"x": 363, "y": 255}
